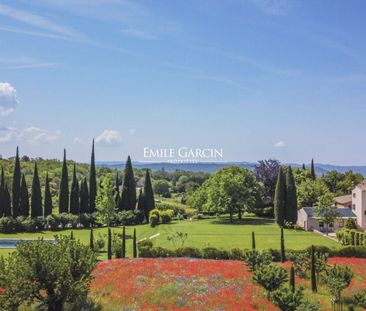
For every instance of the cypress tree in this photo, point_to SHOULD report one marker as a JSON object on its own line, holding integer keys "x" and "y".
{"x": 91, "y": 241}
{"x": 2, "y": 192}
{"x": 72, "y": 235}
{"x": 74, "y": 195}
{"x": 109, "y": 244}
{"x": 84, "y": 197}
{"x": 253, "y": 241}
{"x": 312, "y": 170}
{"x": 313, "y": 273}
{"x": 118, "y": 197}
{"x": 292, "y": 279}
{"x": 16, "y": 185}
{"x": 36, "y": 199}
{"x": 280, "y": 198}
{"x": 92, "y": 182}
{"x": 134, "y": 244}
{"x": 140, "y": 201}
{"x": 283, "y": 255}
{"x": 24, "y": 198}
{"x": 124, "y": 242}
{"x": 47, "y": 198}
{"x": 148, "y": 198}
{"x": 128, "y": 199}
{"x": 291, "y": 198}
{"x": 64, "y": 188}
{"x": 7, "y": 202}
{"x": 303, "y": 167}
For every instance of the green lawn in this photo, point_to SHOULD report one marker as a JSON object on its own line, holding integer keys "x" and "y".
{"x": 207, "y": 232}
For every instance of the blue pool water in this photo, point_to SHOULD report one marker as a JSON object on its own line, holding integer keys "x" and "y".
{"x": 12, "y": 243}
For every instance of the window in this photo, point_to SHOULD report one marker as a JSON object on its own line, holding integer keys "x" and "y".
{"x": 354, "y": 195}
{"x": 331, "y": 225}
{"x": 321, "y": 224}
{"x": 353, "y": 206}
{"x": 364, "y": 212}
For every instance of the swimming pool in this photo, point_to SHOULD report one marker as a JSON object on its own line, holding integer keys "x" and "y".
{"x": 12, "y": 243}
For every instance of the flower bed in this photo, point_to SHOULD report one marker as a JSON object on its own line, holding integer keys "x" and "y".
{"x": 177, "y": 284}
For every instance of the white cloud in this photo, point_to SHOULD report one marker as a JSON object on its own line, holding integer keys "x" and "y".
{"x": 32, "y": 135}
{"x": 8, "y": 98}
{"x": 280, "y": 144}
{"x": 138, "y": 33}
{"x": 273, "y": 7}
{"x": 80, "y": 141}
{"x": 108, "y": 137}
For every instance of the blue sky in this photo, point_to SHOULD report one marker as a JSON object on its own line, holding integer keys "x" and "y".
{"x": 257, "y": 78}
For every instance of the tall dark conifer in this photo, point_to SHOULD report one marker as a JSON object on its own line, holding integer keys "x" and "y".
{"x": 291, "y": 198}
{"x": 283, "y": 254}
{"x": 24, "y": 198}
{"x": 36, "y": 198}
{"x": 74, "y": 194}
{"x": 92, "y": 182}
{"x": 312, "y": 170}
{"x": 16, "y": 185}
{"x": 2, "y": 192}
{"x": 118, "y": 196}
{"x": 64, "y": 188}
{"x": 7, "y": 201}
{"x": 124, "y": 242}
{"x": 140, "y": 201}
{"x": 280, "y": 198}
{"x": 149, "y": 201}
{"x": 84, "y": 197}
{"x": 312, "y": 270}
{"x": 292, "y": 279}
{"x": 47, "y": 198}
{"x": 128, "y": 199}
{"x": 109, "y": 244}
{"x": 303, "y": 167}
{"x": 253, "y": 241}
{"x": 134, "y": 243}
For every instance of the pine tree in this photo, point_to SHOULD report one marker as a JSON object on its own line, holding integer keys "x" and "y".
{"x": 24, "y": 198}
{"x": 312, "y": 271}
{"x": 280, "y": 198}
{"x": 91, "y": 241}
{"x": 109, "y": 244}
{"x": 92, "y": 182}
{"x": 149, "y": 201}
{"x": 128, "y": 199}
{"x": 16, "y": 185}
{"x": 291, "y": 198}
{"x": 283, "y": 255}
{"x": 47, "y": 198}
{"x": 74, "y": 195}
{"x": 36, "y": 198}
{"x": 64, "y": 188}
{"x": 124, "y": 242}
{"x": 84, "y": 197}
{"x": 7, "y": 201}
{"x": 134, "y": 244}
{"x": 312, "y": 170}
{"x": 292, "y": 279}
{"x": 2, "y": 192}
{"x": 253, "y": 241}
{"x": 118, "y": 196}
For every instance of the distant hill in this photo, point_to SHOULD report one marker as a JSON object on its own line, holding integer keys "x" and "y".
{"x": 210, "y": 167}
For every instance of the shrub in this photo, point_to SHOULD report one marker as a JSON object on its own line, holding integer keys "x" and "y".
{"x": 7, "y": 224}
{"x": 166, "y": 216}
{"x": 275, "y": 253}
{"x": 308, "y": 305}
{"x": 139, "y": 216}
{"x": 52, "y": 222}
{"x": 215, "y": 253}
{"x": 62, "y": 281}
{"x": 188, "y": 252}
{"x": 350, "y": 224}
{"x": 156, "y": 252}
{"x": 85, "y": 220}
{"x": 29, "y": 224}
{"x": 153, "y": 220}
{"x": 360, "y": 299}
{"x": 189, "y": 212}
{"x": 237, "y": 254}
{"x": 286, "y": 299}
{"x": 337, "y": 279}
{"x": 126, "y": 218}
{"x": 255, "y": 259}
{"x": 99, "y": 243}
{"x": 270, "y": 277}
{"x": 350, "y": 251}
{"x": 155, "y": 212}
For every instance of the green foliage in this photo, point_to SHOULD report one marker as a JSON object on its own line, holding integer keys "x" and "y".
{"x": 24, "y": 198}
{"x": 253, "y": 240}
{"x": 292, "y": 279}
{"x": 290, "y": 214}
{"x": 134, "y": 243}
{"x": 148, "y": 198}
{"x": 288, "y": 300}
{"x": 215, "y": 253}
{"x": 92, "y": 183}
{"x": 47, "y": 198}
{"x": 109, "y": 247}
{"x": 350, "y": 224}
{"x": 360, "y": 298}
{"x": 153, "y": 220}
{"x": 16, "y": 185}
{"x": 64, "y": 188}
{"x": 341, "y": 183}
{"x": 128, "y": 199}
{"x": 7, "y": 224}
{"x": 105, "y": 202}
{"x": 312, "y": 271}
{"x": 166, "y": 216}
{"x": 32, "y": 274}
{"x": 162, "y": 187}
{"x": 282, "y": 240}
{"x": 312, "y": 170}
{"x": 74, "y": 195}
{"x": 270, "y": 277}
{"x": 337, "y": 279}
{"x": 84, "y": 197}
{"x": 178, "y": 239}
{"x": 36, "y": 198}
{"x": 280, "y": 199}
{"x": 308, "y": 305}
{"x": 309, "y": 191}
{"x": 254, "y": 259}
{"x": 324, "y": 208}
